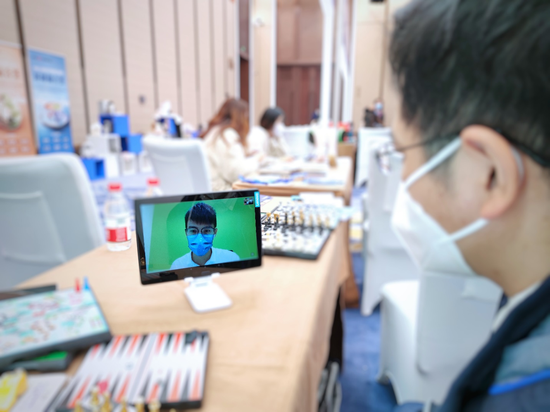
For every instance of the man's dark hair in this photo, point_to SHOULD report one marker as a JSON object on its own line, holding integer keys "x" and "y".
{"x": 270, "y": 116}
{"x": 464, "y": 62}
{"x": 201, "y": 213}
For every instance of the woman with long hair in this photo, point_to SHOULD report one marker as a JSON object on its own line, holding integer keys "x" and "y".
{"x": 268, "y": 137}
{"x": 226, "y": 145}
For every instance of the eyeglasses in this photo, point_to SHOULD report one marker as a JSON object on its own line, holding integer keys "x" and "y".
{"x": 193, "y": 231}
{"x": 385, "y": 152}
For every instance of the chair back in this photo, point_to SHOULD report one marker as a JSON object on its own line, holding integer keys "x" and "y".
{"x": 180, "y": 165}
{"x": 48, "y": 215}
{"x": 297, "y": 138}
{"x": 382, "y": 191}
{"x": 366, "y": 138}
{"x": 455, "y": 317}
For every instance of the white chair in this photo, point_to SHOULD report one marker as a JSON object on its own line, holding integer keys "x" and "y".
{"x": 386, "y": 258}
{"x": 366, "y": 138}
{"x": 180, "y": 165}
{"x": 297, "y": 138}
{"x": 48, "y": 215}
{"x": 430, "y": 330}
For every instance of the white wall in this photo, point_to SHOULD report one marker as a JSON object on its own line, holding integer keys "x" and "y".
{"x": 135, "y": 52}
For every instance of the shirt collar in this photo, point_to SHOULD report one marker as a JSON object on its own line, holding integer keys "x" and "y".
{"x": 513, "y": 302}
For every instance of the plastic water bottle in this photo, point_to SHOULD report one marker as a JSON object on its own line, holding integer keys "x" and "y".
{"x": 117, "y": 219}
{"x": 153, "y": 188}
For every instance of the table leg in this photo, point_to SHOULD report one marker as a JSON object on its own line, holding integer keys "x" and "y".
{"x": 350, "y": 289}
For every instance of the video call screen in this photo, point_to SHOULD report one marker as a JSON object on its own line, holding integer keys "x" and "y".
{"x": 183, "y": 235}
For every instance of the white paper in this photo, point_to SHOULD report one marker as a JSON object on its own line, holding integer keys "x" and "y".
{"x": 40, "y": 393}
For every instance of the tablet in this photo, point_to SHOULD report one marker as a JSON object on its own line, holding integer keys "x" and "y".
{"x": 44, "y": 322}
{"x": 197, "y": 235}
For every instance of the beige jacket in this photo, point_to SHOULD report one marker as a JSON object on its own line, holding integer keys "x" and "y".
{"x": 227, "y": 158}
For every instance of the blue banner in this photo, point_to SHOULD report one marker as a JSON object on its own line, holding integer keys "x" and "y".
{"x": 52, "y": 117}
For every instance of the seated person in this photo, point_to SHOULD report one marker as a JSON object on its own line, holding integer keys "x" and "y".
{"x": 226, "y": 145}
{"x": 267, "y": 138}
{"x": 474, "y": 131}
{"x": 200, "y": 228}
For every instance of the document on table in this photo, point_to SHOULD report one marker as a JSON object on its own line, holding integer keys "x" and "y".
{"x": 41, "y": 392}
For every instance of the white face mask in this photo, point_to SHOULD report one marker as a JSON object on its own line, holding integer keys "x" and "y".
{"x": 429, "y": 245}
{"x": 279, "y": 129}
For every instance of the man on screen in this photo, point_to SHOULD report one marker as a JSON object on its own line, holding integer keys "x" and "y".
{"x": 200, "y": 228}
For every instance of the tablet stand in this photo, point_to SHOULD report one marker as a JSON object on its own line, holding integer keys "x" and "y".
{"x": 206, "y": 296}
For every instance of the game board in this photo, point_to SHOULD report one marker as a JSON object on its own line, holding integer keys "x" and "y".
{"x": 57, "y": 320}
{"x": 164, "y": 368}
{"x": 298, "y": 230}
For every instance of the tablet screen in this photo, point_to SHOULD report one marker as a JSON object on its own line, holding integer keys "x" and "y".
{"x": 186, "y": 236}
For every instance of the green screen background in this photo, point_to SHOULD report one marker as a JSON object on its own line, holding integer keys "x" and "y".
{"x": 236, "y": 231}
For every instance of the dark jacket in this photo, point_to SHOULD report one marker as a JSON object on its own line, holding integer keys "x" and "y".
{"x": 520, "y": 343}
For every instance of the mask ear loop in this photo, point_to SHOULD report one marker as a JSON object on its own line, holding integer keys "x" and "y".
{"x": 435, "y": 161}
{"x": 480, "y": 223}
{"x": 521, "y": 168}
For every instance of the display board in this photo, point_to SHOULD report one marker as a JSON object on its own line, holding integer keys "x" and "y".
{"x": 16, "y": 137}
{"x": 50, "y": 94}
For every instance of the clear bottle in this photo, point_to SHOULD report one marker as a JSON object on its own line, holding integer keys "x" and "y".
{"x": 117, "y": 219}
{"x": 153, "y": 188}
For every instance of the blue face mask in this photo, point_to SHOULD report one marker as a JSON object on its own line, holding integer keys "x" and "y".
{"x": 200, "y": 244}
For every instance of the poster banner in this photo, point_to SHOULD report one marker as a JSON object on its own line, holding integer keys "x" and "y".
{"x": 52, "y": 117}
{"x": 16, "y": 138}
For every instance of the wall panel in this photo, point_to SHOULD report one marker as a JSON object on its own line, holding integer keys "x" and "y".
{"x": 218, "y": 51}
{"x": 138, "y": 61}
{"x": 230, "y": 46}
{"x": 101, "y": 48}
{"x": 262, "y": 63}
{"x": 165, "y": 52}
{"x": 51, "y": 25}
{"x": 204, "y": 62}
{"x": 186, "y": 10}
{"x": 390, "y": 93}
{"x": 9, "y": 30}
{"x": 369, "y": 55}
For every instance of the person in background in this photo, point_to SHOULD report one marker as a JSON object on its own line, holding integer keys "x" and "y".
{"x": 225, "y": 139}
{"x": 378, "y": 113}
{"x": 474, "y": 130}
{"x": 374, "y": 117}
{"x": 267, "y": 138}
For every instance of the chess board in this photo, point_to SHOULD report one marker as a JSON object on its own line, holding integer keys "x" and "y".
{"x": 168, "y": 368}
{"x": 297, "y": 230}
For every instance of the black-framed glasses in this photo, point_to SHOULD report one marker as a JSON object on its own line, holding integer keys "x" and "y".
{"x": 193, "y": 231}
{"x": 384, "y": 153}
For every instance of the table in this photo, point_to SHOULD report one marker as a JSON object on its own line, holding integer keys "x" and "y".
{"x": 267, "y": 351}
{"x": 343, "y": 172}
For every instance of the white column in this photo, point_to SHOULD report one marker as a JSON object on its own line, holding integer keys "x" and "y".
{"x": 347, "y": 112}
{"x": 327, "y": 6}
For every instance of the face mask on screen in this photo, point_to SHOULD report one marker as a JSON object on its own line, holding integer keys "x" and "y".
{"x": 429, "y": 245}
{"x": 200, "y": 244}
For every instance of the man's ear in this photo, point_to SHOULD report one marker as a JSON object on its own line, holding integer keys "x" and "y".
{"x": 501, "y": 172}
{"x": 215, "y": 231}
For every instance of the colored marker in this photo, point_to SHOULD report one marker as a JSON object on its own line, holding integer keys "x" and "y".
{"x": 86, "y": 285}
{"x": 77, "y": 285}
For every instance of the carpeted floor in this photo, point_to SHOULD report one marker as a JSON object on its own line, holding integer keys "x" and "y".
{"x": 361, "y": 392}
